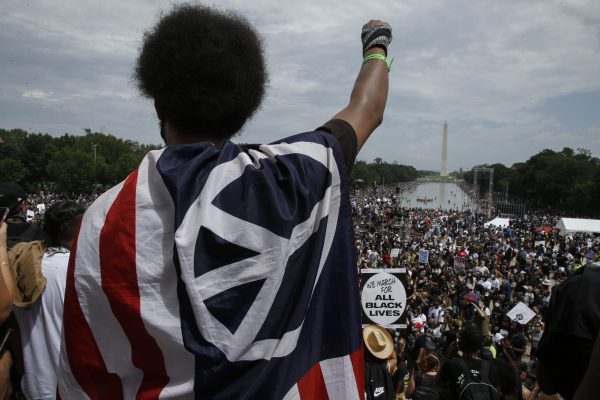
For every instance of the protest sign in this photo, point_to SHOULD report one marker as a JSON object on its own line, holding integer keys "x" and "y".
{"x": 423, "y": 256}
{"x": 383, "y": 297}
{"x": 521, "y": 313}
{"x": 540, "y": 243}
{"x": 460, "y": 262}
{"x": 395, "y": 252}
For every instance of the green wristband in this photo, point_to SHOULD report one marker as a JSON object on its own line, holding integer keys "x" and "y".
{"x": 378, "y": 56}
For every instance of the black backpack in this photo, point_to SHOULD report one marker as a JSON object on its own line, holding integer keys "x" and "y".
{"x": 476, "y": 387}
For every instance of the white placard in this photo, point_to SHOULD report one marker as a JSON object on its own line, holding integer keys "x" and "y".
{"x": 383, "y": 297}
{"x": 521, "y": 313}
{"x": 395, "y": 252}
{"x": 423, "y": 256}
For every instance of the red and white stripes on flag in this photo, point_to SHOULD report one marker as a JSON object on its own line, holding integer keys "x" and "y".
{"x": 334, "y": 378}
{"x": 119, "y": 344}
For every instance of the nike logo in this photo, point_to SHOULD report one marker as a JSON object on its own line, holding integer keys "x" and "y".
{"x": 378, "y": 391}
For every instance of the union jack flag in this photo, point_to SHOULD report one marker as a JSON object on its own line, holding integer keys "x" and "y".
{"x": 217, "y": 273}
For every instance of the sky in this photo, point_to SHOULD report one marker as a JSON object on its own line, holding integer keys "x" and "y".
{"x": 511, "y": 77}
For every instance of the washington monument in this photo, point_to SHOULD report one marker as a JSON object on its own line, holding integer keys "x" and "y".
{"x": 444, "y": 169}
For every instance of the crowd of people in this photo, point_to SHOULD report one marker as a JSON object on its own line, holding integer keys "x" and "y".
{"x": 475, "y": 274}
{"x": 38, "y": 201}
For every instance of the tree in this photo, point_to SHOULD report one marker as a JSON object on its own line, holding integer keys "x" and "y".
{"x": 12, "y": 170}
{"x": 72, "y": 170}
{"x": 380, "y": 170}
{"x": 38, "y": 150}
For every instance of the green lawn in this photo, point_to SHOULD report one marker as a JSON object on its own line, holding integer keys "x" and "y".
{"x": 437, "y": 178}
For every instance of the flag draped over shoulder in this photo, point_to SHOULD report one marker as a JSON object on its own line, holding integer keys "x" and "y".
{"x": 217, "y": 273}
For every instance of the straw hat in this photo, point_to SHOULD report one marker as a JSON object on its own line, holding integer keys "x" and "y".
{"x": 379, "y": 342}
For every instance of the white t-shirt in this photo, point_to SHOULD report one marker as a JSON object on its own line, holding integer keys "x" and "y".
{"x": 420, "y": 319}
{"x": 528, "y": 298}
{"x": 437, "y": 314}
{"x": 495, "y": 284}
{"x": 373, "y": 257}
{"x": 40, "y": 327}
{"x": 487, "y": 285}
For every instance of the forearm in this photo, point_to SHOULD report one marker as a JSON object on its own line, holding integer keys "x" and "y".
{"x": 5, "y": 366}
{"x": 508, "y": 357}
{"x": 369, "y": 94}
{"x": 6, "y": 285}
{"x": 481, "y": 313}
{"x": 408, "y": 391}
{"x": 370, "y": 90}
{"x": 420, "y": 356}
{"x": 368, "y": 98}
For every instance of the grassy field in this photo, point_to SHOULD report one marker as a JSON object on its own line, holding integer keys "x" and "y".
{"x": 437, "y": 178}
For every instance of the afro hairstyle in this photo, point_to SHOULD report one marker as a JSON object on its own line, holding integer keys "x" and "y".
{"x": 204, "y": 68}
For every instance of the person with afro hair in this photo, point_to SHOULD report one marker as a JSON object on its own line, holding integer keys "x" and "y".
{"x": 212, "y": 271}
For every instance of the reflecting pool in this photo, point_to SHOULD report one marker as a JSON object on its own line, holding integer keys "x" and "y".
{"x": 437, "y": 195}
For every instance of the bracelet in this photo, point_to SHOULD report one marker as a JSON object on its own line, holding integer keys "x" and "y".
{"x": 378, "y": 56}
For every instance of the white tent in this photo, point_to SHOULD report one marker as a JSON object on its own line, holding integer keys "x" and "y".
{"x": 569, "y": 225}
{"x": 499, "y": 222}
